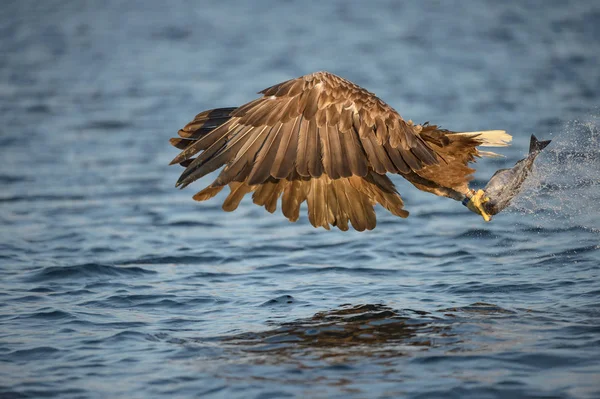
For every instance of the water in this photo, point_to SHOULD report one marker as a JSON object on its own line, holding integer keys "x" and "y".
{"x": 115, "y": 284}
{"x": 566, "y": 184}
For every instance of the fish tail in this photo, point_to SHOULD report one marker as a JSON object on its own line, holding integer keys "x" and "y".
{"x": 536, "y": 146}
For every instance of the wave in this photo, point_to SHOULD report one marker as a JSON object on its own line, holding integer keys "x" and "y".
{"x": 86, "y": 270}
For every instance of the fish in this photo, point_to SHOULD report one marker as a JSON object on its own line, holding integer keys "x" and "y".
{"x": 505, "y": 184}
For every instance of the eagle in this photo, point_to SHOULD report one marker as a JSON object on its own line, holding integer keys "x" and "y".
{"x": 324, "y": 140}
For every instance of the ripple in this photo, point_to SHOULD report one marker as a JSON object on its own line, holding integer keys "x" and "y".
{"x": 182, "y": 259}
{"x": 122, "y": 336}
{"x": 38, "y": 353}
{"x": 190, "y": 223}
{"x": 11, "y": 179}
{"x": 85, "y": 271}
{"x": 477, "y": 233}
{"x": 542, "y": 360}
{"x": 174, "y": 33}
{"x": 43, "y": 198}
{"x": 483, "y": 288}
{"x": 107, "y": 125}
{"x": 150, "y": 301}
{"x": 39, "y": 109}
{"x": 311, "y": 269}
{"x": 280, "y": 300}
{"x": 480, "y": 308}
{"x": 47, "y": 315}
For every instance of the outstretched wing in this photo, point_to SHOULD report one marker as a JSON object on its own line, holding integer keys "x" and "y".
{"x": 317, "y": 135}
{"x": 315, "y": 124}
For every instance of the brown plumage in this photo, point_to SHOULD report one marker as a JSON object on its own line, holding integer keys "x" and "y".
{"x": 324, "y": 140}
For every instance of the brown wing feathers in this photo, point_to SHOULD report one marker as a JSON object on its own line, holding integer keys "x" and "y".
{"x": 318, "y": 138}
{"x": 456, "y": 152}
{"x": 330, "y": 202}
{"x": 283, "y": 163}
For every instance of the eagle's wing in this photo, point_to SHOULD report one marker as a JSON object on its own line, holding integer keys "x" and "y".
{"x": 318, "y": 138}
{"x": 315, "y": 124}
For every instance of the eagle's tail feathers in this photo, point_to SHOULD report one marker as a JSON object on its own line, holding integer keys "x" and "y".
{"x": 490, "y": 138}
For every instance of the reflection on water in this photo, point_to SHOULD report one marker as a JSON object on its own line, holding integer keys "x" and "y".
{"x": 361, "y": 349}
{"x": 371, "y": 330}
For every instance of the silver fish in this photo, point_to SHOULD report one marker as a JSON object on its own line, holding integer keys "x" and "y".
{"x": 505, "y": 184}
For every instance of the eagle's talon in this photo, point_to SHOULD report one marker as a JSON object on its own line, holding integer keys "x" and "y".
{"x": 476, "y": 205}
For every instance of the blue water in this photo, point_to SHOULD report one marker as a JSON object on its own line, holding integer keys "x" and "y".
{"x": 115, "y": 284}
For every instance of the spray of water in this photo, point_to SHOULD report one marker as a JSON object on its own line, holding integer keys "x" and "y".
{"x": 565, "y": 184}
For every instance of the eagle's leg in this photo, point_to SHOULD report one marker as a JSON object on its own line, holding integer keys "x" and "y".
{"x": 475, "y": 200}
{"x": 472, "y": 199}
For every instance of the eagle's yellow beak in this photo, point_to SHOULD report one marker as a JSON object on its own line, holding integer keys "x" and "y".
{"x": 476, "y": 202}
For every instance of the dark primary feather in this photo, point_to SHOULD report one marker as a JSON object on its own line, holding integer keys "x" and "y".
{"x": 206, "y": 121}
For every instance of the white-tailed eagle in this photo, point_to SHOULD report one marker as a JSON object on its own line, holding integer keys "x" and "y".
{"x": 324, "y": 140}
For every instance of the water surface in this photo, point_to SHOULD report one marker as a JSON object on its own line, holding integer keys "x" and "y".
{"x": 115, "y": 284}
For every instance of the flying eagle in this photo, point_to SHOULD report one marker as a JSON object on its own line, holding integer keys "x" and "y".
{"x": 322, "y": 139}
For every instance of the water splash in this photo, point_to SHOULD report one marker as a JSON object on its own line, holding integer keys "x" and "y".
{"x": 565, "y": 183}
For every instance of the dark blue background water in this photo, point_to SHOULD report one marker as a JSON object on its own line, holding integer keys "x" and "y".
{"x": 115, "y": 284}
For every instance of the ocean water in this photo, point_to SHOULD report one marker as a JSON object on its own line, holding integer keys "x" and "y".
{"x": 114, "y": 284}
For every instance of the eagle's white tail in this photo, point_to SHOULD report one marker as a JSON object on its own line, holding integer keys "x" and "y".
{"x": 489, "y": 154}
{"x": 490, "y": 138}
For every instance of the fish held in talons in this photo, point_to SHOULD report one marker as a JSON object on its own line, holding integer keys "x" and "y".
{"x": 504, "y": 185}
